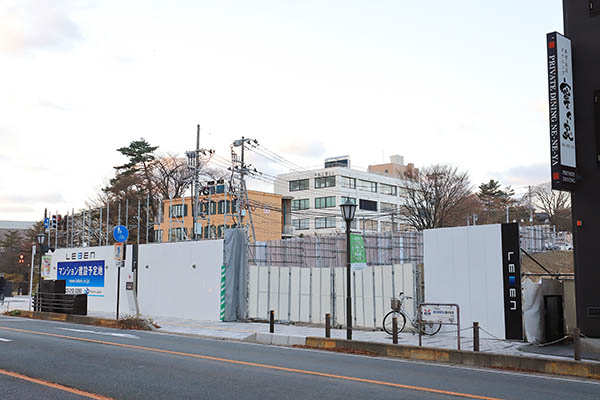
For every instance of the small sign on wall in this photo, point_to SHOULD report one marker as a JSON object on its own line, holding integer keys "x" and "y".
{"x": 439, "y": 314}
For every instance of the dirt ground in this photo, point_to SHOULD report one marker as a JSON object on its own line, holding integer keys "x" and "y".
{"x": 555, "y": 261}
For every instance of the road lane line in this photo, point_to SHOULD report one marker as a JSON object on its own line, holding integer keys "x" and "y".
{"x": 124, "y": 335}
{"x": 5, "y": 340}
{"x": 55, "y": 385}
{"x": 266, "y": 366}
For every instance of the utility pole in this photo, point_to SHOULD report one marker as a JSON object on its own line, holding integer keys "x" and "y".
{"x": 243, "y": 170}
{"x": 530, "y": 208}
{"x": 194, "y": 164}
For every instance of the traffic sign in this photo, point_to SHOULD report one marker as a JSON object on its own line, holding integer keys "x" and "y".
{"x": 46, "y": 222}
{"x": 120, "y": 233}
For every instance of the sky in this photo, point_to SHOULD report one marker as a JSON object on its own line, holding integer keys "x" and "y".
{"x": 460, "y": 83}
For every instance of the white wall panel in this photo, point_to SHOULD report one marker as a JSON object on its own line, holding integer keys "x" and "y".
{"x": 464, "y": 265}
{"x": 253, "y": 287}
{"x": 305, "y": 295}
{"x": 295, "y": 294}
{"x": 168, "y": 285}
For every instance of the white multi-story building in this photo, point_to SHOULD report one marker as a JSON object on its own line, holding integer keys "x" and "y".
{"x": 317, "y": 195}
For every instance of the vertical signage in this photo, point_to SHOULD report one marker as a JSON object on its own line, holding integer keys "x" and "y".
{"x": 562, "y": 116}
{"x": 358, "y": 255}
{"x": 511, "y": 273}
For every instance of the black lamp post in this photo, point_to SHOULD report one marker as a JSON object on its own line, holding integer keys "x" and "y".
{"x": 40, "y": 239}
{"x": 348, "y": 211}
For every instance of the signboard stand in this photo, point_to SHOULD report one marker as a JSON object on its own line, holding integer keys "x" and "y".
{"x": 439, "y": 313}
{"x": 120, "y": 234}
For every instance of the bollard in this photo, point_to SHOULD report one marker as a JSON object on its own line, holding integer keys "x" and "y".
{"x": 327, "y": 325}
{"x": 395, "y": 330}
{"x": 576, "y": 344}
{"x": 475, "y": 336}
{"x": 272, "y": 321}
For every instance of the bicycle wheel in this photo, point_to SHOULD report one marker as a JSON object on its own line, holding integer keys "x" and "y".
{"x": 387, "y": 322}
{"x": 430, "y": 328}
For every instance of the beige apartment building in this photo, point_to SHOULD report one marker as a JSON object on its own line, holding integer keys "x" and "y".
{"x": 219, "y": 211}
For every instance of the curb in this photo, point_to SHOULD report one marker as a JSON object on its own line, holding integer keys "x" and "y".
{"x": 76, "y": 319}
{"x": 581, "y": 369}
{"x": 275, "y": 339}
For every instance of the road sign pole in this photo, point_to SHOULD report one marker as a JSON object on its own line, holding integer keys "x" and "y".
{"x": 118, "y": 287}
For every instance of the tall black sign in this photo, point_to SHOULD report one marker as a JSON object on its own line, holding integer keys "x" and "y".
{"x": 511, "y": 273}
{"x": 562, "y": 113}
{"x": 582, "y": 26}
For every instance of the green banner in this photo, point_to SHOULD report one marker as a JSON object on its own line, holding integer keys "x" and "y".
{"x": 358, "y": 255}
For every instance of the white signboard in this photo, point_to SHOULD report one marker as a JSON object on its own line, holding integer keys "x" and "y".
{"x": 440, "y": 314}
{"x": 47, "y": 271}
{"x": 566, "y": 105}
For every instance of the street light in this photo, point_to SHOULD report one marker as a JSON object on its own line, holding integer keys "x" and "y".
{"x": 40, "y": 239}
{"x": 348, "y": 211}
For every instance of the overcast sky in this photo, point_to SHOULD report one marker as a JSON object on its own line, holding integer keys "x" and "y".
{"x": 458, "y": 82}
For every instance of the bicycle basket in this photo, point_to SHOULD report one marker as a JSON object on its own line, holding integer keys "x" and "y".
{"x": 396, "y": 303}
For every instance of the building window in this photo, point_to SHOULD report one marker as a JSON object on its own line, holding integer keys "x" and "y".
{"x": 346, "y": 182}
{"x": 300, "y": 204}
{"x": 388, "y": 207}
{"x": 300, "y": 184}
{"x": 220, "y": 231}
{"x": 324, "y": 202}
{"x": 221, "y": 208}
{"x": 232, "y": 207}
{"x": 176, "y": 234}
{"x": 324, "y": 222}
{"x": 158, "y": 235}
{"x": 367, "y": 186}
{"x": 301, "y": 224}
{"x": 178, "y": 210}
{"x": 336, "y": 163}
{"x": 324, "y": 182}
{"x": 388, "y": 189}
{"x": 368, "y": 224}
{"x": 368, "y": 205}
{"x": 387, "y": 226}
{"x": 348, "y": 199}
{"x": 213, "y": 207}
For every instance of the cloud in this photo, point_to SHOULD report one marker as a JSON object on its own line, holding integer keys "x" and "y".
{"x": 51, "y": 197}
{"x": 29, "y": 25}
{"x": 531, "y": 174}
{"x": 52, "y": 105}
{"x": 16, "y": 209}
{"x": 305, "y": 149}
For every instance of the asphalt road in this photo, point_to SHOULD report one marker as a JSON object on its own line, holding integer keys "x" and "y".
{"x": 51, "y": 360}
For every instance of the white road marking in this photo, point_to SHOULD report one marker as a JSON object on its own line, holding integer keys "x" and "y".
{"x": 123, "y": 335}
{"x": 5, "y": 340}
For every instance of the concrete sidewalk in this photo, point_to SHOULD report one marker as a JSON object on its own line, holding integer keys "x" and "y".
{"x": 297, "y": 334}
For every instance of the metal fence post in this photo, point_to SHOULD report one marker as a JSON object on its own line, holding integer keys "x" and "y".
{"x": 328, "y": 325}
{"x": 395, "y": 330}
{"x": 576, "y": 344}
{"x": 475, "y": 336}
{"x": 272, "y": 321}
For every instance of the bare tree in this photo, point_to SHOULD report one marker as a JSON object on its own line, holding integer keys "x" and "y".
{"x": 555, "y": 203}
{"x": 434, "y": 196}
{"x": 171, "y": 176}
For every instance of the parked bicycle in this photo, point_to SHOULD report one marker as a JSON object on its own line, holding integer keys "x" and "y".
{"x": 427, "y": 328}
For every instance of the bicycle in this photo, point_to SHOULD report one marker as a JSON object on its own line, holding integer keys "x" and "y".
{"x": 397, "y": 304}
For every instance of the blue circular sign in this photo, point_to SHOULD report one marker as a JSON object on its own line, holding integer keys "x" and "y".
{"x": 120, "y": 233}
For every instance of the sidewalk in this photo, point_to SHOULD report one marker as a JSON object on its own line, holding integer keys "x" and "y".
{"x": 296, "y": 334}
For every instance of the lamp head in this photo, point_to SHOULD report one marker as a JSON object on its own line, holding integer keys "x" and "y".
{"x": 348, "y": 211}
